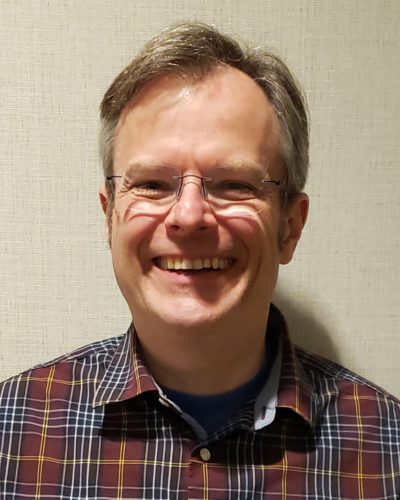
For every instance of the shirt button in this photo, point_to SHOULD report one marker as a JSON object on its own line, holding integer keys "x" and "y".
{"x": 205, "y": 454}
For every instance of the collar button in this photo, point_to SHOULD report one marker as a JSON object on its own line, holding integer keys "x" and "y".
{"x": 205, "y": 454}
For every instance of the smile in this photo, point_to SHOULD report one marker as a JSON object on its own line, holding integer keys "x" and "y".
{"x": 180, "y": 263}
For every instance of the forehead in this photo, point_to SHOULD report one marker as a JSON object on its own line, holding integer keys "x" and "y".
{"x": 224, "y": 109}
{"x": 222, "y": 83}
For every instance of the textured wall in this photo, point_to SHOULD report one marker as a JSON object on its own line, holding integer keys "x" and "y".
{"x": 57, "y": 59}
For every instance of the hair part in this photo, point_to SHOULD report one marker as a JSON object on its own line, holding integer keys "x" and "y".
{"x": 194, "y": 50}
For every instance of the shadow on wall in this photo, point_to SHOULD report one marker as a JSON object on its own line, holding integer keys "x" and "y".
{"x": 305, "y": 329}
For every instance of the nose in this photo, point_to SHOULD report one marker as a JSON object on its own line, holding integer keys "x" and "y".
{"x": 191, "y": 212}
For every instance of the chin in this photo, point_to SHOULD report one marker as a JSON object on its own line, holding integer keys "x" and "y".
{"x": 189, "y": 313}
{"x": 183, "y": 307}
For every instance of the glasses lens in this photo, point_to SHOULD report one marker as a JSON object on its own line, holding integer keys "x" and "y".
{"x": 149, "y": 189}
{"x": 154, "y": 191}
{"x": 149, "y": 207}
{"x": 238, "y": 209}
{"x": 239, "y": 193}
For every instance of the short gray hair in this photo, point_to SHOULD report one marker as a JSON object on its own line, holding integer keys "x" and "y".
{"x": 195, "y": 49}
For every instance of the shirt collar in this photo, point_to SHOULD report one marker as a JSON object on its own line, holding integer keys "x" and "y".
{"x": 295, "y": 390}
{"x": 126, "y": 377}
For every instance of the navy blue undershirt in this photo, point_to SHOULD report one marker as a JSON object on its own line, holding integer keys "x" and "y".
{"x": 211, "y": 412}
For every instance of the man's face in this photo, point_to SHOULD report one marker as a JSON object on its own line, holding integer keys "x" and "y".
{"x": 196, "y": 127}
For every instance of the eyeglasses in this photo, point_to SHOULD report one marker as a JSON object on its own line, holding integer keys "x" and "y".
{"x": 229, "y": 193}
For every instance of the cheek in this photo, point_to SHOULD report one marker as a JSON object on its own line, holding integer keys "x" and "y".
{"x": 271, "y": 221}
{"x": 261, "y": 231}
{"x": 131, "y": 233}
{"x": 259, "y": 240}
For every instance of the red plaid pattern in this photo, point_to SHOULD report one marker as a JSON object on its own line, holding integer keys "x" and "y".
{"x": 92, "y": 425}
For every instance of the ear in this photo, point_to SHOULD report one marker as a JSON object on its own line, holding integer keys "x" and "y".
{"x": 294, "y": 217}
{"x": 103, "y": 196}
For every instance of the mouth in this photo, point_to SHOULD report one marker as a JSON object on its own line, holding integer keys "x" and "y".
{"x": 198, "y": 264}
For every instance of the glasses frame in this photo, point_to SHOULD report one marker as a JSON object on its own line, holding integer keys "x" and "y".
{"x": 203, "y": 180}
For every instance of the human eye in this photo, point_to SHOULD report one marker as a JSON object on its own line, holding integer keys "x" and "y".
{"x": 148, "y": 187}
{"x": 236, "y": 189}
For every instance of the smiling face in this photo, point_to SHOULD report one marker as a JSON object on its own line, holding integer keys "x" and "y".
{"x": 188, "y": 266}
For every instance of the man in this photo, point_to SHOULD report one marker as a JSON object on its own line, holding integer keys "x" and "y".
{"x": 205, "y": 154}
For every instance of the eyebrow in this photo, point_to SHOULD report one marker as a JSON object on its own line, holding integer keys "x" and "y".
{"x": 143, "y": 166}
{"x": 241, "y": 165}
{"x": 235, "y": 166}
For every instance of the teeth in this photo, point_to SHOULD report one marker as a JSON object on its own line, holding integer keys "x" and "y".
{"x": 197, "y": 264}
{"x": 176, "y": 264}
{"x": 186, "y": 264}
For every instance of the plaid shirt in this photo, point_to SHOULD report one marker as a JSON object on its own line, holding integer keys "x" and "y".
{"x": 93, "y": 424}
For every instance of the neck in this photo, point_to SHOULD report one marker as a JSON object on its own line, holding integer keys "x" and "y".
{"x": 203, "y": 360}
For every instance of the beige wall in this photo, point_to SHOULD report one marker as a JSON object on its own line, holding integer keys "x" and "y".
{"x": 56, "y": 60}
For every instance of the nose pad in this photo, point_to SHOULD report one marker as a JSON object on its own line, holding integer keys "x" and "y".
{"x": 191, "y": 210}
{"x": 198, "y": 188}
{"x": 183, "y": 182}
{"x": 191, "y": 199}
